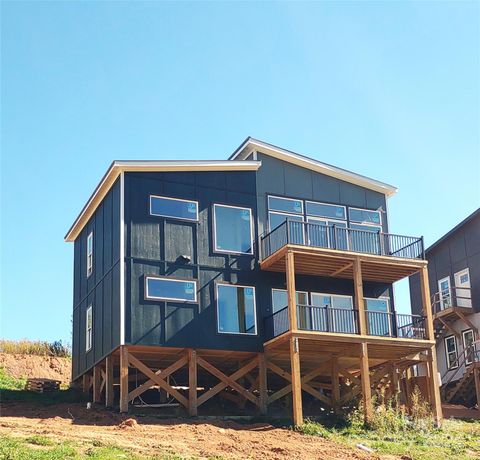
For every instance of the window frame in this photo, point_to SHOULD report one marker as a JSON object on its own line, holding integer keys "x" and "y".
{"x": 88, "y": 331}
{"x": 326, "y": 204}
{"x": 301, "y": 200}
{"x": 90, "y": 254}
{"x": 217, "y": 284}
{"x": 170, "y": 299}
{"x": 365, "y": 223}
{"x": 252, "y": 230}
{"x": 185, "y": 219}
{"x": 449, "y": 367}
{"x": 466, "y": 331}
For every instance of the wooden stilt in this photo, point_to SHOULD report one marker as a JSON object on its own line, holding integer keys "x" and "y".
{"x": 291, "y": 292}
{"x": 86, "y": 382}
{"x": 394, "y": 383}
{"x": 192, "y": 383}
{"x": 109, "y": 381}
{"x": 476, "y": 376}
{"x": 359, "y": 301}
{"x": 335, "y": 384}
{"x": 366, "y": 389}
{"x": 296, "y": 381}
{"x": 433, "y": 383}
{"x": 262, "y": 382}
{"x": 123, "y": 379}
{"x": 97, "y": 382}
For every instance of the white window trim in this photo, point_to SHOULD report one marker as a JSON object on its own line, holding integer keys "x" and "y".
{"x": 439, "y": 283}
{"x": 301, "y": 213}
{"x": 174, "y": 299}
{"x": 366, "y": 223}
{"x": 252, "y": 236}
{"x": 174, "y": 199}
{"x": 327, "y": 204}
{"x": 89, "y": 255}
{"x": 464, "y": 333}
{"x": 446, "y": 352}
{"x": 88, "y": 331}
{"x": 254, "y": 308}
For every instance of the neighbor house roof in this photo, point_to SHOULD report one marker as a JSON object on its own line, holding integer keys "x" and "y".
{"x": 250, "y": 145}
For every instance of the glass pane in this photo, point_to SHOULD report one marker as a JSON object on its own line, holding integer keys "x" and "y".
{"x": 277, "y": 219}
{"x": 178, "y": 209}
{"x": 325, "y": 210}
{"x": 90, "y": 243}
{"x": 364, "y": 216}
{"x": 236, "y": 309}
{"x": 342, "y": 302}
{"x": 377, "y": 305}
{"x": 161, "y": 288}
{"x": 450, "y": 345}
{"x": 464, "y": 278}
{"x": 233, "y": 229}
{"x": 285, "y": 205}
{"x": 279, "y": 300}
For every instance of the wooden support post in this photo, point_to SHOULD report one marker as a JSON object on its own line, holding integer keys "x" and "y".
{"x": 433, "y": 383}
{"x": 86, "y": 382}
{"x": 408, "y": 388}
{"x": 394, "y": 383}
{"x": 262, "y": 382}
{"x": 366, "y": 389}
{"x": 123, "y": 379}
{"x": 427, "y": 307}
{"x": 192, "y": 383}
{"x": 296, "y": 381}
{"x": 97, "y": 382}
{"x": 358, "y": 290}
{"x": 335, "y": 384}
{"x": 476, "y": 376}
{"x": 109, "y": 381}
{"x": 291, "y": 292}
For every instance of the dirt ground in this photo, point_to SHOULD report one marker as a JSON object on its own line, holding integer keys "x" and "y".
{"x": 25, "y": 366}
{"x": 151, "y": 436}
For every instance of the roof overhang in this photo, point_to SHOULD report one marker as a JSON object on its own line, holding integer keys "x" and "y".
{"x": 119, "y": 167}
{"x": 251, "y": 145}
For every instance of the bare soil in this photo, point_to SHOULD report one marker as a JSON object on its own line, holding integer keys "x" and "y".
{"x": 152, "y": 436}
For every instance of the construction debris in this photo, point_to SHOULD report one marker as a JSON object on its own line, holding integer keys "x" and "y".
{"x": 42, "y": 385}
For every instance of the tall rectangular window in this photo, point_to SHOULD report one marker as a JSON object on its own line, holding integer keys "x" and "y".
{"x": 468, "y": 346}
{"x": 236, "y": 311}
{"x": 88, "y": 328}
{"x": 89, "y": 254}
{"x": 157, "y": 288}
{"x": 233, "y": 229}
{"x": 451, "y": 352}
{"x": 173, "y": 208}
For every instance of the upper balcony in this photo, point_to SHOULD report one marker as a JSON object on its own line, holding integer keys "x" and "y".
{"x": 452, "y": 302}
{"x": 329, "y": 250}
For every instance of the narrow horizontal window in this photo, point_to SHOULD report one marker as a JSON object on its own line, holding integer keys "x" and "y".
{"x": 233, "y": 229}
{"x": 236, "y": 311}
{"x": 364, "y": 216}
{"x": 174, "y": 208}
{"x": 89, "y": 254}
{"x": 89, "y": 328}
{"x": 325, "y": 210}
{"x": 170, "y": 289}
{"x": 276, "y": 203}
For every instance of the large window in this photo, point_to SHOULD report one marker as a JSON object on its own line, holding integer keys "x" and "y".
{"x": 236, "y": 311}
{"x": 174, "y": 208}
{"x": 88, "y": 328}
{"x": 89, "y": 254}
{"x": 451, "y": 352}
{"x": 233, "y": 229}
{"x": 170, "y": 289}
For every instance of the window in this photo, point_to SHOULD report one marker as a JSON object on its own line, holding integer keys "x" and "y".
{"x": 462, "y": 288}
{"x": 468, "y": 346}
{"x": 236, "y": 311}
{"x": 89, "y": 254}
{"x": 378, "y": 316}
{"x": 287, "y": 205}
{"x": 88, "y": 328}
{"x": 445, "y": 293}
{"x": 451, "y": 352}
{"x": 233, "y": 229}
{"x": 327, "y": 233}
{"x": 174, "y": 208}
{"x": 280, "y": 299}
{"x": 364, "y": 216}
{"x": 170, "y": 289}
{"x": 335, "y": 313}
{"x": 325, "y": 210}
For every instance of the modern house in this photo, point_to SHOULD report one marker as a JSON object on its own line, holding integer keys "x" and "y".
{"x": 454, "y": 274}
{"x": 243, "y": 282}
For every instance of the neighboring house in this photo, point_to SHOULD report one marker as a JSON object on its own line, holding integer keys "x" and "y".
{"x": 248, "y": 279}
{"x": 454, "y": 273}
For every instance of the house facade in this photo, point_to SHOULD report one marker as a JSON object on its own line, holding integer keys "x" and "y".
{"x": 454, "y": 274}
{"x": 263, "y": 277}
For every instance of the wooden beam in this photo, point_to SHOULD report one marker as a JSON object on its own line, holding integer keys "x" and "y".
{"x": 358, "y": 297}
{"x": 342, "y": 269}
{"x": 192, "y": 383}
{"x": 335, "y": 384}
{"x": 86, "y": 382}
{"x": 366, "y": 389}
{"x": 476, "y": 376}
{"x": 426, "y": 302}
{"x": 291, "y": 292}
{"x": 97, "y": 381}
{"x": 435, "y": 400}
{"x": 466, "y": 321}
{"x": 262, "y": 383}
{"x": 447, "y": 326}
{"x": 394, "y": 380}
{"x": 296, "y": 381}
{"x": 123, "y": 378}
{"x": 109, "y": 381}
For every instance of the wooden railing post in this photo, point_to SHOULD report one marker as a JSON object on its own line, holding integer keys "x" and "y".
{"x": 291, "y": 293}
{"x": 358, "y": 290}
{"x": 123, "y": 378}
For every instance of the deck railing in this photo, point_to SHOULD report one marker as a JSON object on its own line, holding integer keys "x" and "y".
{"x": 345, "y": 321}
{"x": 313, "y": 234}
{"x": 453, "y": 297}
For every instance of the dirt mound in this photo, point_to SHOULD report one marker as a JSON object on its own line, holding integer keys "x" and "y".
{"x": 30, "y": 366}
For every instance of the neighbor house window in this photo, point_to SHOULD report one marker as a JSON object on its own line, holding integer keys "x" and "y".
{"x": 468, "y": 346}
{"x": 89, "y": 328}
{"x": 174, "y": 208}
{"x": 451, "y": 352}
{"x": 233, "y": 229}
{"x": 445, "y": 293}
{"x": 236, "y": 311}
{"x": 89, "y": 254}
{"x": 157, "y": 288}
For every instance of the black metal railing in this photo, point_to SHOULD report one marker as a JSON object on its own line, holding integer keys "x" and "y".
{"x": 411, "y": 326}
{"x": 327, "y": 319}
{"x": 277, "y": 323}
{"x": 313, "y": 234}
{"x": 453, "y": 297}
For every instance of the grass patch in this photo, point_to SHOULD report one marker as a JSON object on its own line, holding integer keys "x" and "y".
{"x": 35, "y": 347}
{"x": 38, "y": 440}
{"x": 7, "y": 382}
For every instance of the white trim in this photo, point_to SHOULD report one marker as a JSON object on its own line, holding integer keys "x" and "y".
{"x": 252, "y": 230}
{"x": 88, "y": 336}
{"x": 327, "y": 204}
{"x": 176, "y": 280}
{"x": 285, "y": 199}
{"x": 174, "y": 199}
{"x": 122, "y": 259}
{"x": 90, "y": 254}
{"x": 446, "y": 352}
{"x": 365, "y": 223}
{"x": 467, "y": 331}
{"x": 439, "y": 284}
{"x": 254, "y": 308}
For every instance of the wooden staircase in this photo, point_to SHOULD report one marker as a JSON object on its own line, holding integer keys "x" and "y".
{"x": 463, "y": 390}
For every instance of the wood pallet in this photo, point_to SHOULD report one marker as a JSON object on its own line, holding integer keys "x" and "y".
{"x": 42, "y": 385}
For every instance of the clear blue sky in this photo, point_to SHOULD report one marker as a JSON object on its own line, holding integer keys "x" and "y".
{"x": 386, "y": 89}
